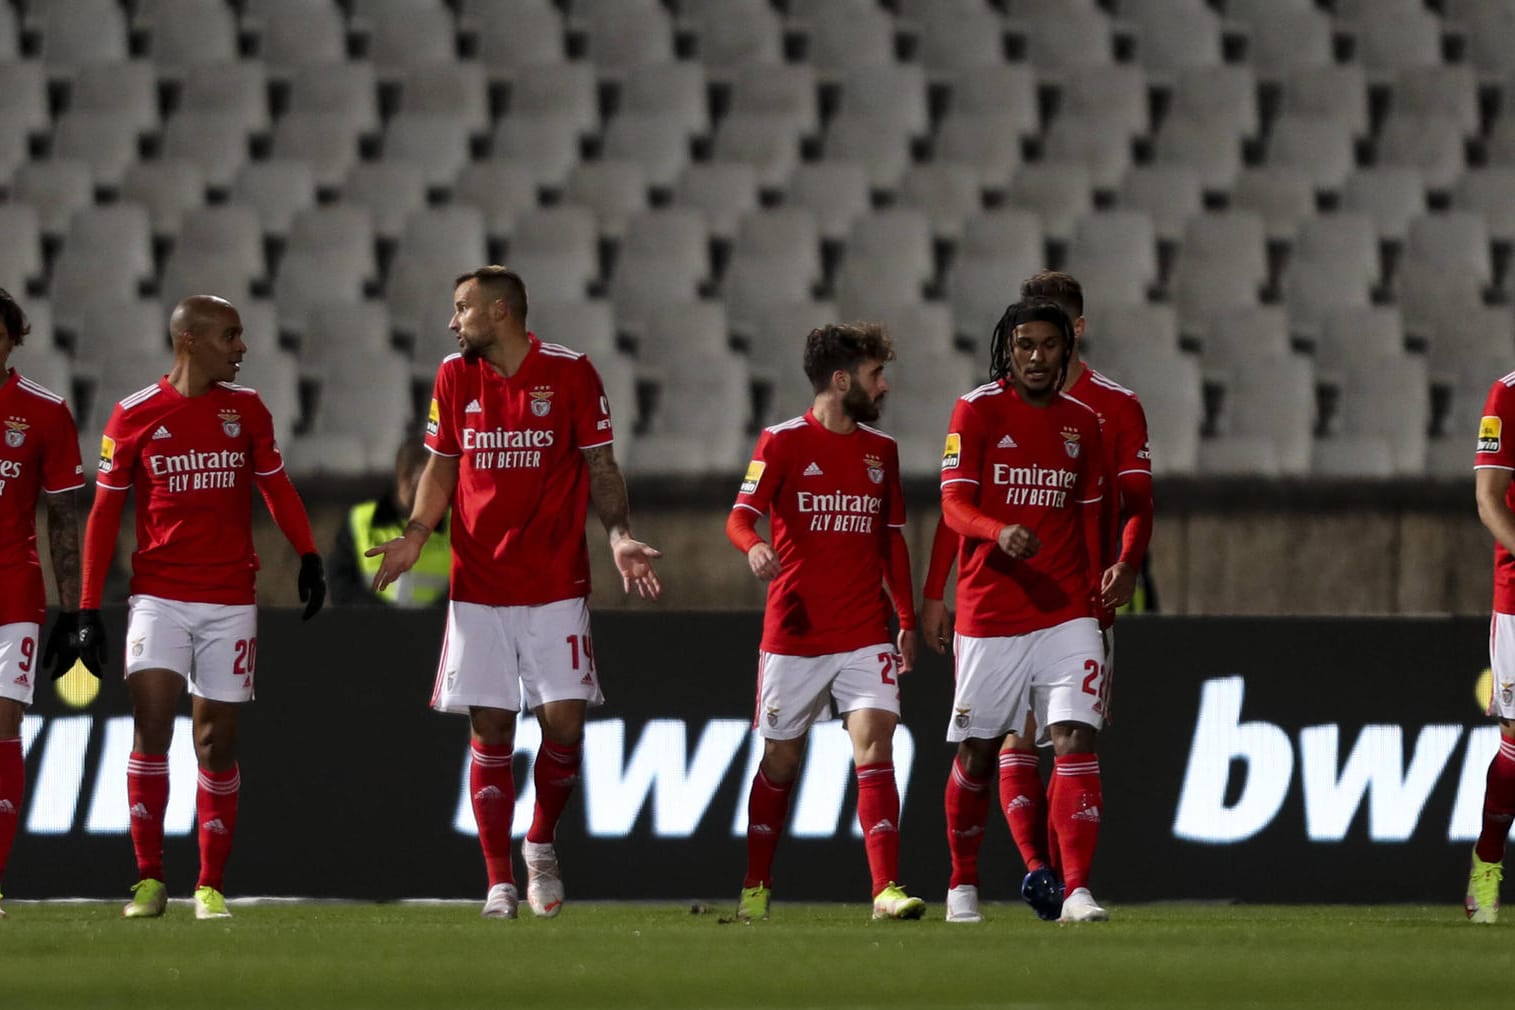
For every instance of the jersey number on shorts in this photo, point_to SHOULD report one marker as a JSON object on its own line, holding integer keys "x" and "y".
{"x": 587, "y": 648}
{"x": 247, "y": 657}
{"x": 888, "y": 663}
{"x": 1097, "y": 684}
{"x": 28, "y": 650}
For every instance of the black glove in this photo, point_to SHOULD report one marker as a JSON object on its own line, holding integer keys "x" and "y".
{"x": 89, "y": 641}
{"x": 312, "y": 584}
{"x": 62, "y": 650}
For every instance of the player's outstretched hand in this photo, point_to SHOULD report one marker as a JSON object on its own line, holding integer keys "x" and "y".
{"x": 399, "y": 555}
{"x": 61, "y": 651}
{"x": 764, "y": 561}
{"x": 906, "y": 642}
{"x": 89, "y": 641}
{"x": 1018, "y": 541}
{"x": 1117, "y": 585}
{"x": 633, "y": 559}
{"x": 936, "y": 626}
{"x": 312, "y": 584}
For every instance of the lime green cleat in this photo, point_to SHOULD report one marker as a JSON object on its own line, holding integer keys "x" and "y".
{"x": 1483, "y": 890}
{"x": 210, "y": 904}
{"x": 2, "y": 911}
{"x": 893, "y": 903}
{"x": 753, "y": 904}
{"x": 149, "y": 899}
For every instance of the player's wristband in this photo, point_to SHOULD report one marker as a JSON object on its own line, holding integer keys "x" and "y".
{"x": 416, "y": 526}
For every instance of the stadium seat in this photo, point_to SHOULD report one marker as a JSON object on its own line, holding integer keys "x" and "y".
{"x": 752, "y": 284}
{"x": 1169, "y": 194}
{"x": 230, "y": 231}
{"x": 515, "y": 37}
{"x": 948, "y": 193}
{"x": 1438, "y": 91}
{"x": 657, "y": 145}
{"x": 1125, "y": 236}
{"x": 614, "y": 190}
{"x": 21, "y": 252}
{"x": 897, "y": 233}
{"x": 456, "y": 90}
{"x": 1489, "y": 192}
{"x": 1313, "y": 288}
{"x": 237, "y": 92}
{"x": 1101, "y": 146}
{"x": 1430, "y": 293}
{"x": 293, "y": 34}
{"x": 1487, "y": 26}
{"x": 959, "y": 34}
{"x": 1316, "y": 146}
{"x": 309, "y": 278}
{"x": 81, "y": 278}
{"x": 545, "y": 147}
{"x": 768, "y": 142}
{"x": 1203, "y": 289}
{"x": 277, "y": 190}
{"x": 1149, "y": 324}
{"x": 1004, "y": 89}
{"x": 674, "y": 236}
{"x": 349, "y": 91}
{"x": 787, "y": 90}
{"x": 1372, "y": 382}
{"x": 390, "y": 191}
{"x": 836, "y": 192}
{"x": 1174, "y": 36}
{"x": 700, "y": 423}
{"x": 408, "y": 34}
{"x": 168, "y": 189}
{"x": 566, "y": 230}
{"x": 674, "y": 92}
{"x": 1237, "y": 237}
{"x": 79, "y": 33}
{"x": 1063, "y": 42}
{"x": 723, "y": 191}
{"x": 1279, "y": 413}
{"x": 1211, "y": 147}
{"x": 1286, "y": 40}
{"x": 776, "y": 348}
{"x": 215, "y": 142}
{"x": 979, "y": 289}
{"x": 1224, "y": 93}
{"x": 585, "y": 326}
{"x": 734, "y": 35}
{"x": 275, "y": 374}
{"x": 23, "y": 92}
{"x": 1011, "y": 232}
{"x": 1337, "y": 92}
{"x": 120, "y": 231}
{"x": 1283, "y": 196}
{"x": 642, "y": 286}
{"x": 371, "y": 404}
{"x": 881, "y": 144}
{"x": 917, "y": 411}
{"x": 868, "y": 287}
{"x": 629, "y": 34}
{"x": 1169, "y": 387}
{"x": 1113, "y": 93}
{"x": 845, "y": 35}
{"x": 328, "y": 142}
{"x": 920, "y": 329}
{"x": 437, "y": 144}
{"x": 340, "y": 235}
{"x": 138, "y": 325}
{"x": 1249, "y": 330}
{"x": 1345, "y": 240}
{"x": 1059, "y": 192}
{"x": 56, "y": 188}
{"x": 1456, "y": 239}
{"x": 446, "y": 234}
{"x": 1396, "y": 35}
{"x": 10, "y": 35}
{"x": 894, "y": 92}
{"x": 107, "y": 144}
{"x": 1391, "y": 196}
{"x": 1432, "y": 145}
{"x": 335, "y": 333}
{"x": 188, "y": 33}
{"x": 989, "y": 144}
{"x": 501, "y": 189}
{"x": 127, "y": 91}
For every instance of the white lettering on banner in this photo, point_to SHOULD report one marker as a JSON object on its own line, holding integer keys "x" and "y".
{"x": 60, "y": 775}
{"x": 109, "y": 811}
{"x": 617, "y": 785}
{"x": 1333, "y": 790}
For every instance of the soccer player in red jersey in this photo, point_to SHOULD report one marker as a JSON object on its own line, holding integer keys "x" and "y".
{"x": 1494, "y": 465}
{"x": 1022, "y": 476}
{"x": 521, "y": 444}
{"x": 832, "y": 486}
{"x": 1128, "y": 528}
{"x": 192, "y": 445}
{"x": 40, "y": 453}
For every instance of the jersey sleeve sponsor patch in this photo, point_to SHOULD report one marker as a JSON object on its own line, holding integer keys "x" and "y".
{"x": 433, "y": 417}
{"x": 107, "y": 453}
{"x": 1490, "y": 430}
{"x": 952, "y": 452}
{"x": 754, "y": 475}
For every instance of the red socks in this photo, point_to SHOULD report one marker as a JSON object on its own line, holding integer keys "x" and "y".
{"x": 147, "y": 795}
{"x": 878, "y": 811}
{"x": 216, "y": 810}
{"x": 1023, "y": 800}
{"x": 1498, "y": 803}
{"x": 967, "y": 814}
{"x": 767, "y": 809}
{"x": 493, "y": 790}
{"x": 555, "y": 774}
{"x": 1075, "y": 814}
{"x": 12, "y": 788}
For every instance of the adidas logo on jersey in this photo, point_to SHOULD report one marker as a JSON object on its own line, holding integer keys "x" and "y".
{"x": 473, "y": 408}
{"x": 1008, "y": 443}
{"x": 214, "y": 826}
{"x": 24, "y": 681}
{"x": 162, "y": 432}
{"x": 812, "y": 470}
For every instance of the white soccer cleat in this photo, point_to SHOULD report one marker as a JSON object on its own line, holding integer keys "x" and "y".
{"x": 962, "y": 904}
{"x": 502, "y": 902}
{"x": 544, "y": 882}
{"x": 1080, "y": 906}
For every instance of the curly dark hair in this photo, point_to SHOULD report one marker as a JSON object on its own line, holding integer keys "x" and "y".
{"x": 843, "y": 346}
{"x": 1028, "y": 311}
{"x": 14, "y": 319}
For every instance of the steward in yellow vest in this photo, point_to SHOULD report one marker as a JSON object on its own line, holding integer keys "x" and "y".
{"x": 371, "y": 523}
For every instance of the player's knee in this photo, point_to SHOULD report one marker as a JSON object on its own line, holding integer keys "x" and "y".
{"x": 978, "y": 758}
{"x": 1072, "y": 738}
{"x": 781, "y": 760}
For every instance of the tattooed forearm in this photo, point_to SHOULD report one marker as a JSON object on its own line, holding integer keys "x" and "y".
{"x": 607, "y": 490}
{"x": 63, "y": 545}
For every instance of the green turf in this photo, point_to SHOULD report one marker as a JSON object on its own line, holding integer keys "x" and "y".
{"x": 628, "y": 956}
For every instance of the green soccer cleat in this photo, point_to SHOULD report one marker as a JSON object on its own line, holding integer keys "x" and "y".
{"x": 149, "y": 899}
{"x": 893, "y": 903}
{"x": 753, "y": 904}
{"x": 2, "y": 911}
{"x": 1483, "y": 890}
{"x": 210, "y": 904}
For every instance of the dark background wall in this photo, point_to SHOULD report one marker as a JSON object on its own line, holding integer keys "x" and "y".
{"x": 1260, "y": 759}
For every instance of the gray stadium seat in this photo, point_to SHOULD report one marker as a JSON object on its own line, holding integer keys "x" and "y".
{"x": 56, "y": 188}
{"x": 614, "y": 190}
{"x": 515, "y": 37}
{"x": 1490, "y": 192}
{"x": 722, "y": 191}
{"x": 127, "y": 91}
{"x": 656, "y": 144}
{"x": 235, "y": 91}
{"x": 881, "y": 144}
{"x": 735, "y": 34}
{"x": 948, "y": 193}
{"x": 836, "y": 192}
{"x": 501, "y": 189}
{"x": 457, "y": 89}
{"x": 168, "y": 188}
{"x": 1059, "y": 192}
{"x": 1335, "y": 91}
{"x": 435, "y": 143}
{"x": 188, "y": 33}
{"x": 349, "y": 91}
{"x": 546, "y": 147}
{"x": 390, "y": 191}
{"x": 1170, "y": 194}
{"x": 214, "y": 142}
{"x": 1391, "y": 195}
{"x": 277, "y": 190}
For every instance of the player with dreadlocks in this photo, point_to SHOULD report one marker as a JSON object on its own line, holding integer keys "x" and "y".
{"x": 1022, "y": 476}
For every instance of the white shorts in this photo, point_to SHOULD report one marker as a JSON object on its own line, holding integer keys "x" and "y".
{"x": 498, "y": 657}
{"x": 214, "y": 646}
{"x": 19, "y": 656}
{"x": 1501, "y": 663}
{"x": 1055, "y": 673}
{"x": 1106, "y": 679}
{"x": 796, "y": 691}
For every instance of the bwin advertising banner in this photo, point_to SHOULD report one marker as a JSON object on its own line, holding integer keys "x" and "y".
{"x": 1251, "y": 759}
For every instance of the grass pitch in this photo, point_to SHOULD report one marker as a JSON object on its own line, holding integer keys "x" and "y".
{"x": 286, "y": 956}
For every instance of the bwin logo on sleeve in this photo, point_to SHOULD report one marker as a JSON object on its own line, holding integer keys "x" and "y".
{"x": 433, "y": 418}
{"x": 754, "y": 475}
{"x": 952, "y": 452}
{"x": 1489, "y": 431}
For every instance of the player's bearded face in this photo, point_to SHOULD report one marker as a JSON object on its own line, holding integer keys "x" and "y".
{"x": 864, "y": 399}
{"x": 470, "y": 321}
{"x": 1037, "y": 354}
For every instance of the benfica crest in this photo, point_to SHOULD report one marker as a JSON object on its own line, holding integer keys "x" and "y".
{"x": 15, "y": 431}
{"x": 541, "y": 401}
{"x": 231, "y": 423}
{"x": 1070, "y": 442}
{"x": 875, "y": 468}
